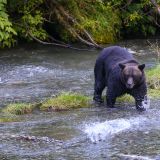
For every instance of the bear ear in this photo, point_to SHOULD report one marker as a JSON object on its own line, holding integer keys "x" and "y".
{"x": 122, "y": 66}
{"x": 141, "y": 67}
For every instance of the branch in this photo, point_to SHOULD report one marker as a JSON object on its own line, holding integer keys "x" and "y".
{"x": 75, "y": 22}
{"x": 56, "y": 44}
{"x": 63, "y": 13}
{"x": 127, "y": 4}
{"x": 156, "y": 5}
{"x": 55, "y": 40}
{"x": 157, "y": 24}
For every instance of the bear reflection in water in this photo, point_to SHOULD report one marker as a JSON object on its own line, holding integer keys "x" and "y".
{"x": 117, "y": 70}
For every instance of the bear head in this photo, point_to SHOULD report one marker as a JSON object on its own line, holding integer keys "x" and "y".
{"x": 131, "y": 74}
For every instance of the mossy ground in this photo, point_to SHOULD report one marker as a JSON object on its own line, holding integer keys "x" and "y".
{"x": 66, "y": 101}
{"x": 152, "y": 93}
{"x": 7, "y": 117}
{"x": 63, "y": 101}
{"x": 18, "y": 108}
{"x": 125, "y": 98}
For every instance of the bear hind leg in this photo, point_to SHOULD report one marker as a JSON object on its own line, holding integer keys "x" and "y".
{"x": 98, "y": 89}
{"x": 99, "y": 82}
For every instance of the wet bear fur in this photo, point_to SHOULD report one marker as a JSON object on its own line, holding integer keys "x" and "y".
{"x": 117, "y": 70}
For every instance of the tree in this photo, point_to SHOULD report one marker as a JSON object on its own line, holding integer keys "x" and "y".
{"x": 61, "y": 22}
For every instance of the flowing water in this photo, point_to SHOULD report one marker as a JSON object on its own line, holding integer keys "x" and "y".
{"x": 32, "y": 73}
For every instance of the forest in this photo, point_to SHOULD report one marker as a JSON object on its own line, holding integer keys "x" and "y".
{"x": 65, "y": 22}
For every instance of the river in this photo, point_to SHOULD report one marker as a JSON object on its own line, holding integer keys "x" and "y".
{"x": 31, "y": 73}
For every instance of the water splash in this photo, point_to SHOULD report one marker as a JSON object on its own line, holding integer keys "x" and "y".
{"x": 100, "y": 131}
{"x": 146, "y": 102}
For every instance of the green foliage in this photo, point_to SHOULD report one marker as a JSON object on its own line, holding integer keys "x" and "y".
{"x": 6, "y": 29}
{"x": 153, "y": 77}
{"x": 100, "y": 20}
{"x": 31, "y": 19}
{"x": 154, "y": 93}
{"x": 137, "y": 18}
{"x": 65, "y": 101}
{"x": 74, "y": 20}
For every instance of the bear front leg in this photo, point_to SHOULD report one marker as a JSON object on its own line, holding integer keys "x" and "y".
{"x": 140, "y": 95}
{"x": 110, "y": 102}
{"x": 139, "y": 104}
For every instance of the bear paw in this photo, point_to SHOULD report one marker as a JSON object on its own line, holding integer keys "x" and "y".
{"x": 141, "y": 108}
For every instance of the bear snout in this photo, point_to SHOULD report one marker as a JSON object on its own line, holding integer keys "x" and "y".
{"x": 130, "y": 83}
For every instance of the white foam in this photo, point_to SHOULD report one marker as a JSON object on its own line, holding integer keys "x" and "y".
{"x": 146, "y": 102}
{"x": 131, "y": 51}
{"x": 1, "y": 80}
{"x": 100, "y": 131}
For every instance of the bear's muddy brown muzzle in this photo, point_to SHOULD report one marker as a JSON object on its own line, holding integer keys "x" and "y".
{"x": 130, "y": 83}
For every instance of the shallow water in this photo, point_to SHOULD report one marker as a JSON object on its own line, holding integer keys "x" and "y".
{"x": 92, "y": 133}
{"x": 32, "y": 73}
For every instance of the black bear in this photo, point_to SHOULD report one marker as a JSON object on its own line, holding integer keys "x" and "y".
{"x": 117, "y": 70}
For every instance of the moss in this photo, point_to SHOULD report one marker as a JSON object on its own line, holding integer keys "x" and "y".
{"x": 154, "y": 93}
{"x": 66, "y": 101}
{"x": 125, "y": 98}
{"x": 7, "y": 117}
{"x": 153, "y": 77}
{"x": 18, "y": 108}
